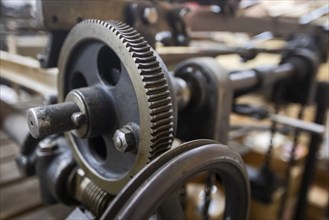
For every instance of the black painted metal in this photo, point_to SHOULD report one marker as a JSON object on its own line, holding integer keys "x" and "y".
{"x": 142, "y": 196}
{"x": 321, "y": 100}
{"x": 53, "y": 169}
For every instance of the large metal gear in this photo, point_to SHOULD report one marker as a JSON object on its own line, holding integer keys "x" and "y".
{"x": 114, "y": 58}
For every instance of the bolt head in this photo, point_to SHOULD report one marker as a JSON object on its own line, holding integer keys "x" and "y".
{"x": 124, "y": 139}
{"x": 79, "y": 118}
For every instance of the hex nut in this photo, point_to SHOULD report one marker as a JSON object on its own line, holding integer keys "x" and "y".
{"x": 124, "y": 139}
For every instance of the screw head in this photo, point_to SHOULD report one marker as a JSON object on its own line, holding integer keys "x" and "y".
{"x": 124, "y": 139}
{"x": 79, "y": 118}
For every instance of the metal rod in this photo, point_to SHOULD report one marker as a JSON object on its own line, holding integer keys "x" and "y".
{"x": 291, "y": 162}
{"x": 299, "y": 124}
{"x": 256, "y": 78}
{"x": 244, "y": 79}
{"x": 51, "y": 119}
{"x": 314, "y": 145}
{"x": 271, "y": 75}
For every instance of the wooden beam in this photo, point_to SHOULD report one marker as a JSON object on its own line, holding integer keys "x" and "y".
{"x": 26, "y": 72}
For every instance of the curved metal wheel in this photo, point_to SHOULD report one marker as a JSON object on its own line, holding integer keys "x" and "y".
{"x": 162, "y": 177}
{"x": 124, "y": 80}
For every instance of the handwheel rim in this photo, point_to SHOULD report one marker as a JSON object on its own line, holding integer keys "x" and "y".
{"x": 148, "y": 195}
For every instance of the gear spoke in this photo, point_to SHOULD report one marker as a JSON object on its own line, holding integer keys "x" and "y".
{"x": 135, "y": 92}
{"x": 84, "y": 67}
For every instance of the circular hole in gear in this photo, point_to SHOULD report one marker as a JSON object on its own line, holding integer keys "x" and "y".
{"x": 98, "y": 148}
{"x": 78, "y": 81}
{"x": 109, "y": 65}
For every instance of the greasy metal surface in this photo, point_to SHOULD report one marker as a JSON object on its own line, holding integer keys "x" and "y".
{"x": 87, "y": 193}
{"x": 142, "y": 196}
{"x": 141, "y": 95}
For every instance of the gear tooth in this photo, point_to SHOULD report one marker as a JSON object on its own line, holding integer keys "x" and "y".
{"x": 155, "y": 85}
{"x": 137, "y": 44}
{"x": 158, "y": 103}
{"x": 141, "y": 54}
{"x": 163, "y": 115}
{"x": 161, "y": 134}
{"x": 161, "y": 122}
{"x": 158, "y": 96}
{"x": 136, "y": 40}
{"x": 145, "y": 59}
{"x": 152, "y": 64}
{"x": 165, "y": 108}
{"x": 159, "y": 140}
{"x": 142, "y": 49}
{"x": 132, "y": 34}
{"x": 152, "y": 77}
{"x": 151, "y": 71}
{"x": 151, "y": 91}
{"x": 160, "y": 129}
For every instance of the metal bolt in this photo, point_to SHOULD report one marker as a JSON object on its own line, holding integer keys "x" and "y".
{"x": 124, "y": 139}
{"x": 48, "y": 145}
{"x": 150, "y": 15}
{"x": 79, "y": 118}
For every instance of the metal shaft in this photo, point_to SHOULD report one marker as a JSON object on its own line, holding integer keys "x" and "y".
{"x": 52, "y": 119}
{"x": 249, "y": 80}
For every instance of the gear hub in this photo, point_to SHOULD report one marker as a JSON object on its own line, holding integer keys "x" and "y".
{"x": 109, "y": 77}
